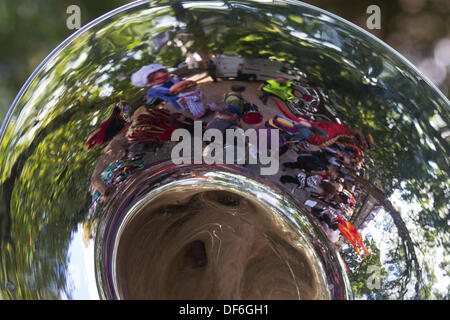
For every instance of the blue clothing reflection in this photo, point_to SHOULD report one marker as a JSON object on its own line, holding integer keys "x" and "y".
{"x": 162, "y": 92}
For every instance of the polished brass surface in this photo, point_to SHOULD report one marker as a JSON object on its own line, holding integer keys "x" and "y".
{"x": 221, "y": 231}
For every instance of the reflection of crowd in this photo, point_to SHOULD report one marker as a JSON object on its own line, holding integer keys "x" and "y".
{"x": 329, "y": 154}
{"x": 327, "y": 175}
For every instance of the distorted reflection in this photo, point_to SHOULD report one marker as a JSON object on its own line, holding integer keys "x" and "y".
{"x": 358, "y": 205}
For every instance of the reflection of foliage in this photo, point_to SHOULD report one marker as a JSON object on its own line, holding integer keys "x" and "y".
{"x": 360, "y": 272}
{"x": 47, "y": 219}
{"x": 29, "y": 30}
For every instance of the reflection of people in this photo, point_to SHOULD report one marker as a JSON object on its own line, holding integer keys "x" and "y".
{"x": 296, "y": 132}
{"x": 335, "y": 132}
{"x": 279, "y": 87}
{"x": 212, "y": 70}
{"x": 158, "y": 79}
{"x": 154, "y": 125}
{"x": 180, "y": 121}
{"x": 289, "y": 134}
{"x": 314, "y": 160}
{"x": 234, "y": 98}
{"x": 332, "y": 232}
{"x": 312, "y": 183}
{"x": 108, "y": 129}
{"x": 116, "y": 149}
{"x": 190, "y": 97}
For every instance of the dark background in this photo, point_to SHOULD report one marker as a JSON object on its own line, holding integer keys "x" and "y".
{"x": 29, "y": 30}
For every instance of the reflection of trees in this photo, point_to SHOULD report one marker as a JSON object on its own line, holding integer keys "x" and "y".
{"x": 407, "y": 243}
{"x": 44, "y": 191}
{"x": 374, "y": 98}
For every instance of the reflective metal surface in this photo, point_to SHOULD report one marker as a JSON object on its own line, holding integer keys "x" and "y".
{"x": 123, "y": 221}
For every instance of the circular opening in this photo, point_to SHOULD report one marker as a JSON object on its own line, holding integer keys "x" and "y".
{"x": 213, "y": 244}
